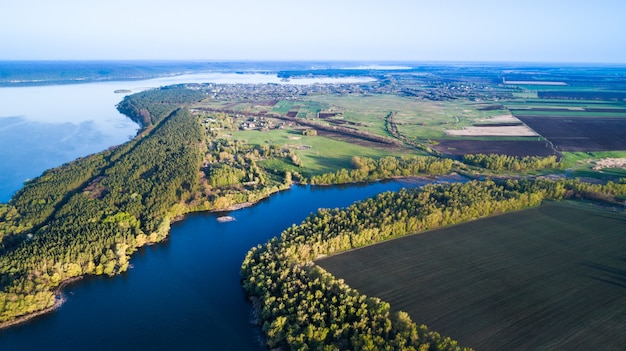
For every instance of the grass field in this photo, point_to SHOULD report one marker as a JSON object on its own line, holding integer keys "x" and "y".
{"x": 415, "y": 118}
{"x": 552, "y": 277}
{"x": 318, "y": 154}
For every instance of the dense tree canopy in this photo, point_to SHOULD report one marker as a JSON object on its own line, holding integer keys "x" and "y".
{"x": 498, "y": 162}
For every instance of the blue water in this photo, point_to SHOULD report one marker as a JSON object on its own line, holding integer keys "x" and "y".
{"x": 185, "y": 293}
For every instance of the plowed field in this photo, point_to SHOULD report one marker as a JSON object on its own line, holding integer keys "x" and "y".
{"x": 550, "y": 278}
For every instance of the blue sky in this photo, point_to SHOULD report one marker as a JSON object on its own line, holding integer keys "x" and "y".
{"x": 393, "y": 30}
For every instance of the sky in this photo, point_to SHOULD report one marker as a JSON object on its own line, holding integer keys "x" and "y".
{"x": 282, "y": 30}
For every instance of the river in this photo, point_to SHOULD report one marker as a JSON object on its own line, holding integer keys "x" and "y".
{"x": 185, "y": 293}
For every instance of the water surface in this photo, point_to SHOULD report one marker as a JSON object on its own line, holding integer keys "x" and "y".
{"x": 185, "y": 293}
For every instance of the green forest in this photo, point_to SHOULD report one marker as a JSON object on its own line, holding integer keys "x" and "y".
{"x": 497, "y": 162}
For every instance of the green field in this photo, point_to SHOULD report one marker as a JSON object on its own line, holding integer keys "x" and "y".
{"x": 318, "y": 154}
{"x": 552, "y": 277}
{"x": 420, "y": 119}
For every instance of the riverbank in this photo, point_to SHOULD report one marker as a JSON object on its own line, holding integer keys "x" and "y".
{"x": 185, "y": 292}
{"x": 183, "y": 212}
{"x": 59, "y": 300}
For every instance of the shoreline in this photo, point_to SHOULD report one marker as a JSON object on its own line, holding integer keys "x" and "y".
{"x": 60, "y": 297}
{"x": 59, "y": 300}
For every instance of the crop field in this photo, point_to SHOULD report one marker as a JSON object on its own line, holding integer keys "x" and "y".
{"x": 551, "y": 277}
{"x": 580, "y": 133}
{"x": 520, "y": 148}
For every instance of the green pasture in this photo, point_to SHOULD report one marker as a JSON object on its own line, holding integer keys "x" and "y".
{"x": 580, "y": 164}
{"x": 418, "y": 119}
{"x": 578, "y": 159}
{"x": 318, "y": 154}
{"x": 306, "y": 109}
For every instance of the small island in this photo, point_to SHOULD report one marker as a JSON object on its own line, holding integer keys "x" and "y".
{"x": 224, "y": 219}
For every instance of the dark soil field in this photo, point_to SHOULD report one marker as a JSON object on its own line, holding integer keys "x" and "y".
{"x": 580, "y": 133}
{"x": 548, "y": 278}
{"x": 292, "y": 114}
{"x": 518, "y": 148}
{"x": 511, "y": 124}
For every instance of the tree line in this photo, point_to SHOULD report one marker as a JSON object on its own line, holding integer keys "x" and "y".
{"x": 369, "y": 169}
{"x": 498, "y": 162}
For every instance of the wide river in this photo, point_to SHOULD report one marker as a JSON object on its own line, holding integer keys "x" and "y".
{"x": 185, "y": 293}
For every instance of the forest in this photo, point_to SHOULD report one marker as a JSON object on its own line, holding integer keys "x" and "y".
{"x": 498, "y": 162}
{"x": 88, "y": 216}
{"x": 368, "y": 169}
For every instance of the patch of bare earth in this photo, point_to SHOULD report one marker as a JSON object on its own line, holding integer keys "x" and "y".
{"x": 610, "y": 163}
{"x": 500, "y": 119}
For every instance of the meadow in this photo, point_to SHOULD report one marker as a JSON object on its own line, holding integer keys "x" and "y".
{"x": 318, "y": 154}
{"x": 551, "y": 277}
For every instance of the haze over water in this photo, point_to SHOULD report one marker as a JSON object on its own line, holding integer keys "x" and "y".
{"x": 42, "y": 127}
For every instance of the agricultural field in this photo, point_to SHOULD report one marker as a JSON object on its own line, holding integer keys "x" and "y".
{"x": 576, "y": 126}
{"x": 551, "y": 277}
{"x": 580, "y": 133}
{"x": 519, "y": 148}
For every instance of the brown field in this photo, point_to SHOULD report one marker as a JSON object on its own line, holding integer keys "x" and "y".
{"x": 580, "y": 133}
{"x": 518, "y": 148}
{"x": 548, "y": 278}
{"x": 292, "y": 114}
{"x": 268, "y": 103}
